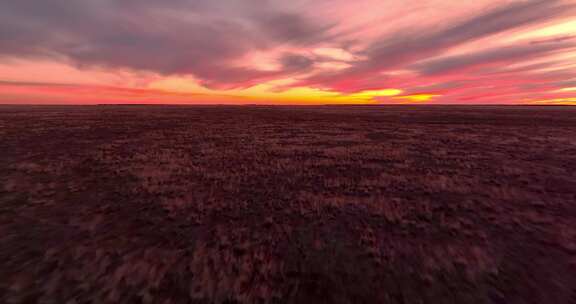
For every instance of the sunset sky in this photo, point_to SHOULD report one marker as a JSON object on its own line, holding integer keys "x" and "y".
{"x": 288, "y": 52}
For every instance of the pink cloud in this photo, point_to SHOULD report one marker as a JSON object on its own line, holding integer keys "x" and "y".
{"x": 462, "y": 51}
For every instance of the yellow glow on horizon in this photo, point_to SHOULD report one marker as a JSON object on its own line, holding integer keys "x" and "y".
{"x": 417, "y": 97}
{"x": 268, "y": 92}
{"x": 557, "y": 101}
{"x": 370, "y": 94}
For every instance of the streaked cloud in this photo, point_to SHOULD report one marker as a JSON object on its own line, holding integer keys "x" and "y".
{"x": 488, "y": 57}
{"x": 368, "y": 51}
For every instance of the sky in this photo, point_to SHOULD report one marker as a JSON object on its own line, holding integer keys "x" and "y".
{"x": 288, "y": 52}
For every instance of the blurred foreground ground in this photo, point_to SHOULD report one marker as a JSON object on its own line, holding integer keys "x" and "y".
{"x": 134, "y": 204}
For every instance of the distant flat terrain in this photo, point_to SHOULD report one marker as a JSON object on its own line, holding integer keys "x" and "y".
{"x": 256, "y": 204}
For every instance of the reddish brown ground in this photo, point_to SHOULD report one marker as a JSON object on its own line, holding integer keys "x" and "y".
{"x": 287, "y": 204}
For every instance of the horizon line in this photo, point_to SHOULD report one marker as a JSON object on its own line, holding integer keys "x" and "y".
{"x": 276, "y": 105}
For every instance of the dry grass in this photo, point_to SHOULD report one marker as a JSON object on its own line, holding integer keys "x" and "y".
{"x": 287, "y": 205}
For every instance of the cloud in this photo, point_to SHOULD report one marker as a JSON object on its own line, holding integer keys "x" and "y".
{"x": 219, "y": 77}
{"x": 35, "y": 84}
{"x": 203, "y": 38}
{"x": 566, "y": 83}
{"x": 292, "y": 28}
{"x": 90, "y": 93}
{"x": 555, "y": 39}
{"x": 407, "y": 47}
{"x": 453, "y": 49}
{"x": 488, "y": 57}
{"x": 295, "y": 62}
{"x": 442, "y": 88}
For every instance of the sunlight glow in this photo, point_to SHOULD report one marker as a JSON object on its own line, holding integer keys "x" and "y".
{"x": 417, "y": 97}
{"x": 557, "y": 101}
{"x": 371, "y": 94}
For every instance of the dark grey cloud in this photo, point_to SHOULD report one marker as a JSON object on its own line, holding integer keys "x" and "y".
{"x": 292, "y": 28}
{"x": 566, "y": 83}
{"x": 507, "y": 54}
{"x": 295, "y": 62}
{"x": 201, "y": 37}
{"x": 555, "y": 39}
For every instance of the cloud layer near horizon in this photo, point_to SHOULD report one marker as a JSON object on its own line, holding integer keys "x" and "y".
{"x": 300, "y": 51}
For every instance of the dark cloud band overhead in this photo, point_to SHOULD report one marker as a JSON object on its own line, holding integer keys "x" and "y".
{"x": 200, "y": 38}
